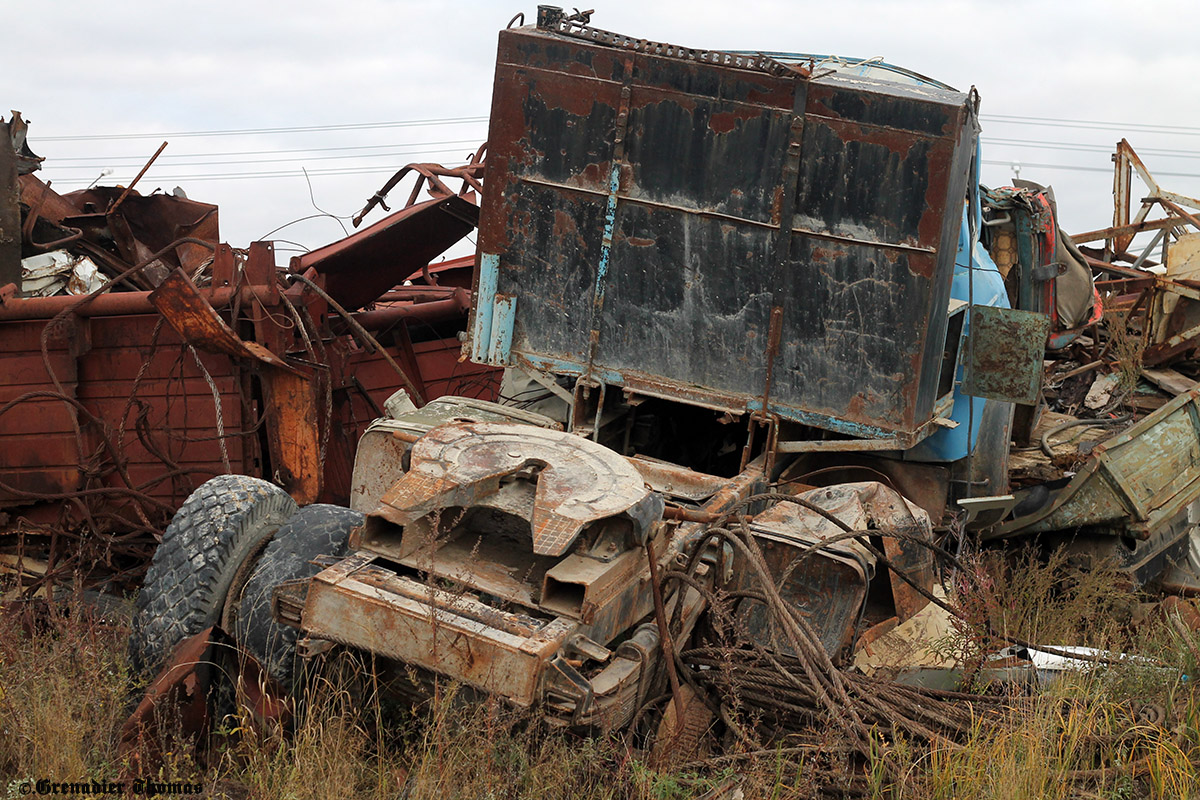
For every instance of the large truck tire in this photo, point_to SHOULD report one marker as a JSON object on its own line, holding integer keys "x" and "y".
{"x": 316, "y": 530}
{"x": 216, "y": 533}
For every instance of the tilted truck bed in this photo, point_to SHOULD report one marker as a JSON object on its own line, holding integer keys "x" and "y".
{"x": 726, "y": 231}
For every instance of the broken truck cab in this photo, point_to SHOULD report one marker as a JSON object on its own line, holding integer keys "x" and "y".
{"x": 721, "y": 266}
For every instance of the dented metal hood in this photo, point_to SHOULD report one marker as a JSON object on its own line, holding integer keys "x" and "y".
{"x": 722, "y": 230}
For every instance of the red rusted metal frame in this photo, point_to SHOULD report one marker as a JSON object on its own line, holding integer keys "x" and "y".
{"x": 282, "y": 378}
{"x": 1119, "y": 237}
{"x": 385, "y": 316}
{"x": 471, "y": 175}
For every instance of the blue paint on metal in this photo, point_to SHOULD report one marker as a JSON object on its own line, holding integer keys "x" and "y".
{"x": 950, "y": 444}
{"x": 560, "y": 366}
{"x": 481, "y": 329}
{"x": 503, "y": 315}
{"x": 854, "y": 429}
{"x": 556, "y": 366}
{"x": 847, "y": 65}
{"x": 610, "y": 220}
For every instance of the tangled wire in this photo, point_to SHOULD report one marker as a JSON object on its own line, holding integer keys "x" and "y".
{"x": 764, "y": 691}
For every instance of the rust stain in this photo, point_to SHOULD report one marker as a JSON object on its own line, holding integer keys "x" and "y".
{"x": 723, "y": 121}
{"x": 564, "y": 225}
{"x": 570, "y": 100}
{"x": 857, "y": 407}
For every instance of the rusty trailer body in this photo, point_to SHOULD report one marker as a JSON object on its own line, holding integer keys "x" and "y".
{"x": 732, "y": 232}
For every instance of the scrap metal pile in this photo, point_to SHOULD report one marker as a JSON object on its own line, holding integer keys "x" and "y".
{"x": 716, "y": 494}
{"x": 1128, "y": 354}
{"x": 140, "y": 356}
{"x": 718, "y": 501}
{"x": 1147, "y": 270}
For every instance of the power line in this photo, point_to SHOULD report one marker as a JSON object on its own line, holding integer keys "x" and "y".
{"x": 366, "y": 169}
{"x": 1074, "y": 168}
{"x": 1002, "y": 118}
{"x": 102, "y": 164}
{"x": 390, "y": 169}
{"x": 1052, "y": 122}
{"x": 140, "y": 159}
{"x": 1087, "y": 148}
{"x": 352, "y": 126}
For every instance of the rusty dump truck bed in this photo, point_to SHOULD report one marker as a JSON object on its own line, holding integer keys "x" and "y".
{"x": 724, "y": 230}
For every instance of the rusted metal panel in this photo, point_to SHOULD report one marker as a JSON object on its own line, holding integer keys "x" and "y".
{"x": 1132, "y": 484}
{"x": 197, "y": 322}
{"x": 365, "y": 264}
{"x": 40, "y": 444}
{"x": 647, "y": 213}
{"x": 10, "y": 210}
{"x": 829, "y": 589}
{"x": 294, "y": 433}
{"x": 829, "y": 586}
{"x": 182, "y": 686}
{"x": 169, "y": 440}
{"x": 1005, "y": 357}
{"x": 366, "y": 606}
{"x": 177, "y": 702}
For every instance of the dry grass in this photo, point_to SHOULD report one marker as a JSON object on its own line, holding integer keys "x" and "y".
{"x": 63, "y": 688}
{"x": 1074, "y": 740}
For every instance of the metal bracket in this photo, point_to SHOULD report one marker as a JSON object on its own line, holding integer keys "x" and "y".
{"x": 771, "y": 423}
{"x": 583, "y": 390}
{"x": 564, "y": 679}
{"x": 548, "y": 381}
{"x": 983, "y": 512}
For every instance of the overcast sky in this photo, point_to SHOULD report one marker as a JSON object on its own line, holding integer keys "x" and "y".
{"x": 104, "y": 84}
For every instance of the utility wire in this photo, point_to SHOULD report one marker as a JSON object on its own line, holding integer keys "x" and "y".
{"x": 391, "y": 168}
{"x": 384, "y": 168}
{"x": 96, "y": 162}
{"x": 1186, "y": 130}
{"x": 141, "y": 159}
{"x": 351, "y": 126}
{"x": 1086, "y": 148}
{"x": 99, "y": 163}
{"x": 1073, "y": 168}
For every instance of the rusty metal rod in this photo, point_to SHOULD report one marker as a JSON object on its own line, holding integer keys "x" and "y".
{"x": 418, "y": 293}
{"x": 109, "y": 304}
{"x": 664, "y": 634}
{"x": 113, "y": 208}
{"x": 690, "y": 514}
{"x": 431, "y": 312}
{"x": 363, "y": 335}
